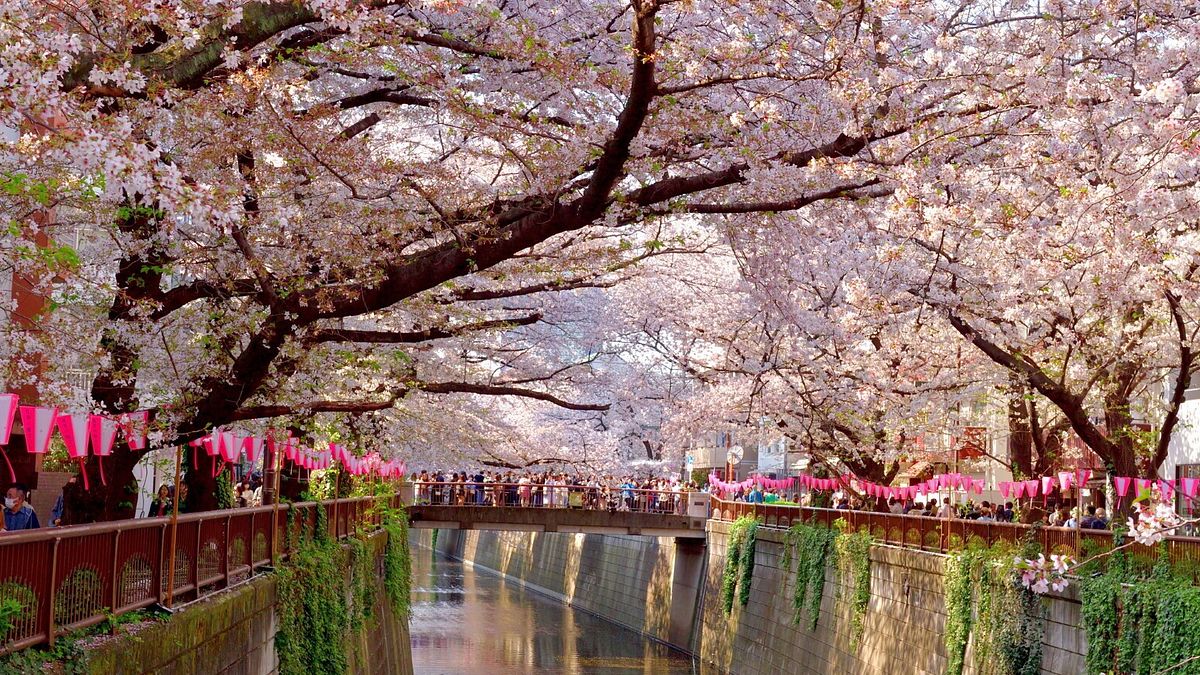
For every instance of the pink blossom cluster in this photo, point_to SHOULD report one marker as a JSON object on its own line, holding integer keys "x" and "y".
{"x": 1042, "y": 575}
{"x": 1155, "y": 520}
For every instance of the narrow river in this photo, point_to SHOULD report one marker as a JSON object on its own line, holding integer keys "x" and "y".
{"x": 468, "y": 621}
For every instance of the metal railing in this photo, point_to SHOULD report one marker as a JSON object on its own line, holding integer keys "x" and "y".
{"x": 541, "y": 496}
{"x": 941, "y": 535}
{"x": 69, "y": 578}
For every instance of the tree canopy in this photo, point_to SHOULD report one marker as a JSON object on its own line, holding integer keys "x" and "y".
{"x": 450, "y": 226}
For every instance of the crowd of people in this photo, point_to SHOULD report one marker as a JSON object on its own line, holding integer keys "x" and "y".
{"x": 1094, "y": 517}
{"x": 552, "y": 490}
{"x": 19, "y": 514}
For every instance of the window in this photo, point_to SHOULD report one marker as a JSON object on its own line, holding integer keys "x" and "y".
{"x": 1183, "y": 505}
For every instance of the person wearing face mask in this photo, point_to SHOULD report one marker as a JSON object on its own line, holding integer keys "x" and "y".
{"x": 17, "y": 514}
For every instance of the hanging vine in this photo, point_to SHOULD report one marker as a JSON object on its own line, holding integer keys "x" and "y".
{"x": 738, "y": 565}
{"x": 1098, "y": 613}
{"x": 958, "y": 596}
{"x": 983, "y": 596}
{"x": 854, "y": 561}
{"x": 812, "y": 545}
{"x": 397, "y": 560}
{"x": 224, "y": 491}
{"x": 326, "y": 594}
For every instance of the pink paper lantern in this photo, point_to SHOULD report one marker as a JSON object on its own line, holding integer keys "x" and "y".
{"x": 252, "y": 446}
{"x": 74, "y": 432}
{"x": 1189, "y": 486}
{"x": 8, "y": 413}
{"x": 1064, "y": 480}
{"x": 1031, "y": 488}
{"x": 38, "y": 422}
{"x": 1121, "y": 485}
{"x": 230, "y": 445}
{"x": 102, "y": 431}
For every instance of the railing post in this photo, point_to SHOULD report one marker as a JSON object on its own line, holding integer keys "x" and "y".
{"x": 115, "y": 551}
{"x": 51, "y": 591}
{"x": 225, "y": 552}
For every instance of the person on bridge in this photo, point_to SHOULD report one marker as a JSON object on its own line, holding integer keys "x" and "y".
{"x": 18, "y": 515}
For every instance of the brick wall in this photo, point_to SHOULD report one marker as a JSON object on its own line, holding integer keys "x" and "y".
{"x": 904, "y": 622}
{"x": 50, "y": 485}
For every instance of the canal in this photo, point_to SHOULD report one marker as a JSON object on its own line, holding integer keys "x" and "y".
{"x": 465, "y": 620}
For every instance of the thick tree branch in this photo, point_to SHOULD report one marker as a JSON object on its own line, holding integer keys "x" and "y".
{"x": 403, "y": 337}
{"x": 1182, "y": 379}
{"x": 503, "y": 390}
{"x": 267, "y": 411}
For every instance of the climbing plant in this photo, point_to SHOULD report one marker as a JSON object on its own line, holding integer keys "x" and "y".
{"x": 325, "y": 592}
{"x": 983, "y": 596}
{"x": 853, "y": 551}
{"x": 1098, "y": 612}
{"x": 958, "y": 597}
{"x": 9, "y": 608}
{"x": 811, "y": 544}
{"x": 737, "y": 564}
{"x": 224, "y": 491}
{"x": 397, "y": 559}
{"x": 1141, "y": 625}
{"x": 746, "y": 564}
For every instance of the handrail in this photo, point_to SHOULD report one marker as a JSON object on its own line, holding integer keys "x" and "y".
{"x": 549, "y": 496}
{"x": 75, "y": 576}
{"x": 931, "y": 533}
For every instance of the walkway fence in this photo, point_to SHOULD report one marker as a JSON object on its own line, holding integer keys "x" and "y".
{"x": 944, "y": 534}
{"x": 551, "y": 496}
{"x": 68, "y": 578}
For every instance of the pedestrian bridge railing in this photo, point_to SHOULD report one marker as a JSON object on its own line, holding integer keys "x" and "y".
{"x": 945, "y": 534}
{"x": 529, "y": 495}
{"x": 69, "y": 578}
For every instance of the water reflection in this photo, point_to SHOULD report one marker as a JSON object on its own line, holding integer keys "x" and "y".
{"x": 468, "y": 621}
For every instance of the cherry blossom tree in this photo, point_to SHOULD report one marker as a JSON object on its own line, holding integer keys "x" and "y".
{"x": 274, "y": 195}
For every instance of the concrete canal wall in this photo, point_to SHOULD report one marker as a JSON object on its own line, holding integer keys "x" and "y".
{"x": 647, "y": 584}
{"x": 670, "y": 590}
{"x": 903, "y": 627}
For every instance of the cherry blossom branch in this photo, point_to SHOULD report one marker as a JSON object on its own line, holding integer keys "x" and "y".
{"x": 402, "y": 337}
{"x": 504, "y": 390}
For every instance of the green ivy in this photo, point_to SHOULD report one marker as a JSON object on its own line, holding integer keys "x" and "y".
{"x": 1098, "y": 613}
{"x": 9, "y": 608}
{"x": 984, "y": 596}
{"x": 1147, "y": 625}
{"x": 958, "y": 597}
{"x": 854, "y": 560}
{"x": 320, "y": 605}
{"x": 397, "y": 559}
{"x": 812, "y": 544}
{"x": 746, "y": 565}
{"x": 739, "y": 562}
{"x": 224, "y": 491}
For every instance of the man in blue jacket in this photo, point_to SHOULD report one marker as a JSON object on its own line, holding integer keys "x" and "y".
{"x": 18, "y": 515}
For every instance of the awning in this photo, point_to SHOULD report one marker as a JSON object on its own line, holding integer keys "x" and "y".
{"x": 915, "y": 470}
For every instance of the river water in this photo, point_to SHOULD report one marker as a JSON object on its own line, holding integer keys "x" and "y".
{"x": 468, "y": 621}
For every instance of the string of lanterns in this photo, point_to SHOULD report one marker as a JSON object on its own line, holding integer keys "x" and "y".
{"x": 87, "y": 433}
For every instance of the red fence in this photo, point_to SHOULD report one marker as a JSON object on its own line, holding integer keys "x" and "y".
{"x": 68, "y": 578}
{"x": 532, "y": 495}
{"x": 944, "y": 534}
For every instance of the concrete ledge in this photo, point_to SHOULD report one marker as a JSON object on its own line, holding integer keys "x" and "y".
{"x": 553, "y": 520}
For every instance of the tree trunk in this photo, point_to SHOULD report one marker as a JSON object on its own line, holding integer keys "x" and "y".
{"x": 1020, "y": 434}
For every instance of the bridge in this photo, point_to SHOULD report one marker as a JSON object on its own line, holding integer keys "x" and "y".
{"x": 571, "y": 509}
